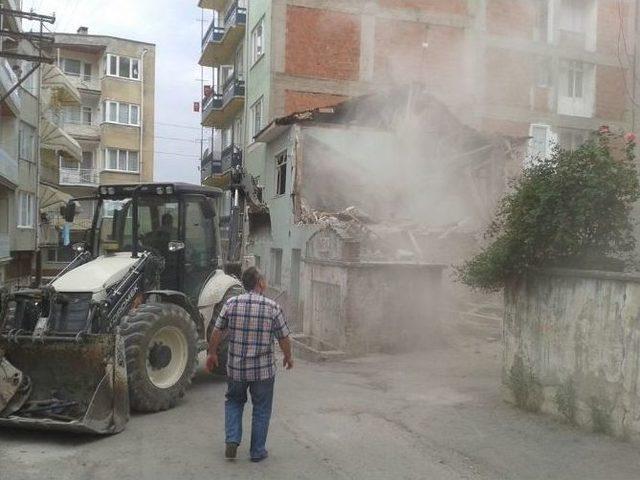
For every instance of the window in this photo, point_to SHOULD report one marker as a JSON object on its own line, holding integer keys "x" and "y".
{"x": 256, "y": 117}
{"x": 87, "y": 161}
{"x": 78, "y": 115}
{"x": 276, "y": 266}
{"x": 257, "y": 41}
{"x": 60, "y": 254}
{"x": 72, "y": 67}
{"x": 29, "y": 83}
{"x": 543, "y": 72}
{"x": 86, "y": 75}
{"x": 122, "y": 160}
{"x": 76, "y": 68}
{"x": 573, "y": 78}
{"x": 281, "y": 173}
{"x": 26, "y": 141}
{"x": 226, "y": 137}
{"x": 573, "y": 16}
{"x": 123, "y": 67}
{"x": 26, "y": 209}
{"x": 123, "y": 113}
{"x": 540, "y": 143}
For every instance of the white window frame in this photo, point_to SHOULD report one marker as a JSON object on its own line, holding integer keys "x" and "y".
{"x": 29, "y": 154}
{"x": 119, "y": 152}
{"x": 257, "y": 121}
{"x": 550, "y": 142}
{"x": 26, "y": 209}
{"x": 257, "y": 42}
{"x": 108, "y": 107}
{"x": 107, "y": 67}
{"x": 281, "y": 160}
{"x": 81, "y": 111}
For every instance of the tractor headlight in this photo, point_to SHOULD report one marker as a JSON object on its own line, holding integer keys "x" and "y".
{"x": 159, "y": 190}
{"x": 103, "y": 190}
{"x": 111, "y": 190}
{"x": 169, "y": 190}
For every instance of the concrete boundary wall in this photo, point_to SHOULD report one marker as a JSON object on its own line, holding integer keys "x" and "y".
{"x": 572, "y": 348}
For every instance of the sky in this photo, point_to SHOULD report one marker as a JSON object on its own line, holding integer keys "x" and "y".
{"x": 175, "y": 28}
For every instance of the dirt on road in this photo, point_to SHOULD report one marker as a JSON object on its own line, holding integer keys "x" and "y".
{"x": 435, "y": 414}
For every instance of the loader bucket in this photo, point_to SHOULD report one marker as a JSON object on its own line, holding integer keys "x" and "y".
{"x": 76, "y": 384}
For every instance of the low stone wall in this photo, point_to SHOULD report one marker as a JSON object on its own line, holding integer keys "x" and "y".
{"x": 572, "y": 348}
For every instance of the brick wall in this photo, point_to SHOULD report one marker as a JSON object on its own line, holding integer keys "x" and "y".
{"x": 432, "y": 6}
{"x": 509, "y": 78}
{"x": 513, "y": 18}
{"x": 609, "y": 23}
{"x": 296, "y": 101}
{"x": 611, "y": 93}
{"x": 401, "y": 57}
{"x": 322, "y": 44}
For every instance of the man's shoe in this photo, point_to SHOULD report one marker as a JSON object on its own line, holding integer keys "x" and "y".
{"x": 259, "y": 459}
{"x": 231, "y": 451}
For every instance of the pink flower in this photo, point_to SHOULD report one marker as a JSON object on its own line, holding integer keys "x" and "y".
{"x": 630, "y": 137}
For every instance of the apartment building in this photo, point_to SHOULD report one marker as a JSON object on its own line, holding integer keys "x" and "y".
{"x": 110, "y": 119}
{"x": 553, "y": 70}
{"x": 18, "y": 157}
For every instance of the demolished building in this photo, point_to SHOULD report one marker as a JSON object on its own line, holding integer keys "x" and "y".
{"x": 408, "y": 172}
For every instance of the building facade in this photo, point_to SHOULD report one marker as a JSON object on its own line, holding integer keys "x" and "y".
{"x": 111, "y": 121}
{"x": 552, "y": 70}
{"x": 19, "y": 165}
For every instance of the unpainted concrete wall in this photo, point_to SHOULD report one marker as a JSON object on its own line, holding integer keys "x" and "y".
{"x": 572, "y": 348}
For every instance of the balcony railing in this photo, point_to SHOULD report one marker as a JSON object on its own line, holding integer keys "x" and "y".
{"x": 212, "y": 102}
{"x": 79, "y": 176}
{"x": 231, "y": 158}
{"x": 8, "y": 167}
{"x": 214, "y": 34}
{"x": 235, "y": 16}
{"x": 87, "y": 82}
{"x": 8, "y": 80}
{"x": 233, "y": 87}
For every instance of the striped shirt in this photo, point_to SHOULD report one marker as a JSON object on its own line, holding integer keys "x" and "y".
{"x": 253, "y": 322}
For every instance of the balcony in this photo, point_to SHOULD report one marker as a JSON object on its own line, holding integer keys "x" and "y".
{"x": 79, "y": 176}
{"x": 209, "y": 165}
{"x": 53, "y": 137}
{"x": 220, "y": 42}
{"x": 231, "y": 157}
{"x": 54, "y": 78}
{"x": 5, "y": 247}
{"x": 7, "y": 81}
{"x": 217, "y": 5}
{"x": 85, "y": 82}
{"x": 8, "y": 168}
{"x": 218, "y": 109}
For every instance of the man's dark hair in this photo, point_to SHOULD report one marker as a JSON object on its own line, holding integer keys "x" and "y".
{"x": 250, "y": 278}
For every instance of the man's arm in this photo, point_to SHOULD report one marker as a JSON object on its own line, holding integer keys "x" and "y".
{"x": 281, "y": 332}
{"x": 212, "y": 359}
{"x": 285, "y": 346}
{"x": 219, "y": 328}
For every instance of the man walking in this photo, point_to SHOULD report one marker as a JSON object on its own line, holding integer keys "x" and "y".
{"x": 253, "y": 321}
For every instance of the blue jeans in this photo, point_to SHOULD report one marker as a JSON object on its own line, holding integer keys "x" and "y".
{"x": 262, "y": 400}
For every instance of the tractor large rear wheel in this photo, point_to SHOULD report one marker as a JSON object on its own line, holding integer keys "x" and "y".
{"x": 161, "y": 350}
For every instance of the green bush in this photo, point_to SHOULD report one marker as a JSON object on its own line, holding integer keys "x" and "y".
{"x": 563, "y": 210}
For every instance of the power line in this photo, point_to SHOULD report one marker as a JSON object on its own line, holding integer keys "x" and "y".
{"x": 179, "y": 126}
{"x": 177, "y": 139}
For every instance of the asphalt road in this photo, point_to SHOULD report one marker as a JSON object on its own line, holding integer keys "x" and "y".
{"x": 429, "y": 415}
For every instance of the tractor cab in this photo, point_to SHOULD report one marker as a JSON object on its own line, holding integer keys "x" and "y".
{"x": 177, "y": 222}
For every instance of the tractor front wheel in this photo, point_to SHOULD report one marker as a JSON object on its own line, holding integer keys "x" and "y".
{"x": 161, "y": 350}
